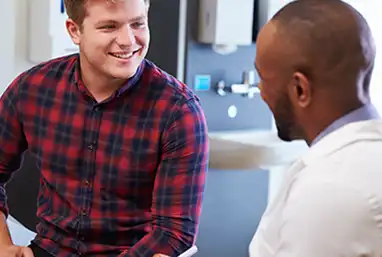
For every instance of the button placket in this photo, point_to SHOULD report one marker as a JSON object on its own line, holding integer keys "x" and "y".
{"x": 84, "y": 212}
{"x": 88, "y": 174}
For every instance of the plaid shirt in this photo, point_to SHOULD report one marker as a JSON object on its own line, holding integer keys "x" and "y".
{"x": 122, "y": 177}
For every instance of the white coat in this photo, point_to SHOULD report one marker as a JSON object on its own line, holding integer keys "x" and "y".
{"x": 330, "y": 203}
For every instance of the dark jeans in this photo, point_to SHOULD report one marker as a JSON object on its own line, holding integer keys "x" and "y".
{"x": 38, "y": 252}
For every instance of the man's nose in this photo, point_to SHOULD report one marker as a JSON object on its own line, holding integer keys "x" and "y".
{"x": 126, "y": 36}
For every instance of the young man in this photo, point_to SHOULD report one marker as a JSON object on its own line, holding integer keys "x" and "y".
{"x": 315, "y": 59}
{"x": 121, "y": 145}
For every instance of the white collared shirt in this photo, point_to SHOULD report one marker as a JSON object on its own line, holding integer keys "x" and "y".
{"x": 330, "y": 204}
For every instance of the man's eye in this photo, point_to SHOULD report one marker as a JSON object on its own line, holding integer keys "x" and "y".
{"x": 138, "y": 25}
{"x": 108, "y": 27}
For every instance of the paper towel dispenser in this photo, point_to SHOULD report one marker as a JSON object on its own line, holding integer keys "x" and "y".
{"x": 226, "y": 22}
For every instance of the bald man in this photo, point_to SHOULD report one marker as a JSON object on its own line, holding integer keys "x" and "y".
{"x": 315, "y": 59}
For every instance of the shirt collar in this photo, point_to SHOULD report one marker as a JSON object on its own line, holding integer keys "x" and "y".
{"x": 130, "y": 82}
{"x": 133, "y": 80}
{"x": 366, "y": 112}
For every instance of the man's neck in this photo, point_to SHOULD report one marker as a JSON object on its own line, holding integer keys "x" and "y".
{"x": 99, "y": 85}
{"x": 356, "y": 112}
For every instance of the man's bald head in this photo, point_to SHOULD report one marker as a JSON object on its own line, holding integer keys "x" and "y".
{"x": 327, "y": 39}
{"x": 315, "y": 59}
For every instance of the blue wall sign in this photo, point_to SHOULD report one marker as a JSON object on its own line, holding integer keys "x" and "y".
{"x": 202, "y": 82}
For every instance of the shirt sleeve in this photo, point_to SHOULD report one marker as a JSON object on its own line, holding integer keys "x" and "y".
{"x": 13, "y": 142}
{"x": 179, "y": 185}
{"x": 330, "y": 219}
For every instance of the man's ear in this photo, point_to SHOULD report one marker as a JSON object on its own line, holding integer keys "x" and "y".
{"x": 74, "y": 31}
{"x": 301, "y": 90}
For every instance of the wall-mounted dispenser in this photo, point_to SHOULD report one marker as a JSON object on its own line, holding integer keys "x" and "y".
{"x": 226, "y": 24}
{"x": 48, "y": 37}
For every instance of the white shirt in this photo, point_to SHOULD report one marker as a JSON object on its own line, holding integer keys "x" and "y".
{"x": 330, "y": 204}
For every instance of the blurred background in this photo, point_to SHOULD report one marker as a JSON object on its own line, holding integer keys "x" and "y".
{"x": 210, "y": 45}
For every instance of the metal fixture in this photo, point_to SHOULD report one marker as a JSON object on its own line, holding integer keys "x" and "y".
{"x": 247, "y": 89}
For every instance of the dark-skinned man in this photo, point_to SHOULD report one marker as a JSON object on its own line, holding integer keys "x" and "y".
{"x": 315, "y": 59}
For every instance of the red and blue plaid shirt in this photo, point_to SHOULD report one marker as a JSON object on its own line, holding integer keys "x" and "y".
{"x": 122, "y": 177}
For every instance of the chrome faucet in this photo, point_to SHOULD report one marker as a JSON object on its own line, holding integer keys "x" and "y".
{"x": 247, "y": 88}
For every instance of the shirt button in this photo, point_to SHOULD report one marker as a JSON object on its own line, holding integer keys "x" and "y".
{"x": 87, "y": 183}
{"x": 91, "y": 147}
{"x": 84, "y": 213}
{"x": 96, "y": 109}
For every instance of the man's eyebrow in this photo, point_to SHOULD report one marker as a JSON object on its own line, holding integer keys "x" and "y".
{"x": 106, "y": 22}
{"x": 110, "y": 21}
{"x": 138, "y": 18}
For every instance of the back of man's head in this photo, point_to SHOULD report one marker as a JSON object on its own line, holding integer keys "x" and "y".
{"x": 332, "y": 40}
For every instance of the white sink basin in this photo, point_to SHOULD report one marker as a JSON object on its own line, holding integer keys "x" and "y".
{"x": 249, "y": 150}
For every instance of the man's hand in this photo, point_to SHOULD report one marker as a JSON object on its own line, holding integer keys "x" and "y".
{"x": 160, "y": 255}
{"x": 15, "y": 251}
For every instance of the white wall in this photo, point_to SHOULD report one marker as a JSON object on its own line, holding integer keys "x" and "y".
{"x": 7, "y": 43}
{"x": 21, "y": 39}
{"x": 13, "y": 16}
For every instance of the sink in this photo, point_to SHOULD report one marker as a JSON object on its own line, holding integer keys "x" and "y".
{"x": 253, "y": 149}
